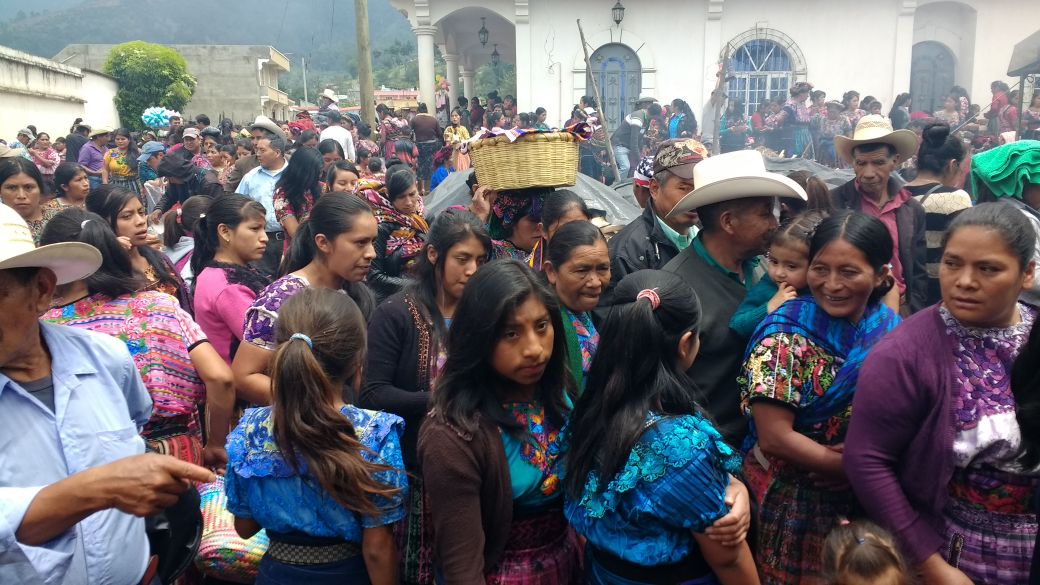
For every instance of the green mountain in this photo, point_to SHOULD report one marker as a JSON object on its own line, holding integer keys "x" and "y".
{"x": 322, "y": 31}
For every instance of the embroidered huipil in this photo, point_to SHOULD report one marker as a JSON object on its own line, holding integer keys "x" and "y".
{"x": 672, "y": 485}
{"x": 260, "y": 484}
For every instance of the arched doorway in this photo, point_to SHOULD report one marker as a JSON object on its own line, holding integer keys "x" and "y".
{"x": 932, "y": 74}
{"x": 620, "y": 77}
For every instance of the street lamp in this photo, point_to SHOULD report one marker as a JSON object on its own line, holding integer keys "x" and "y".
{"x": 618, "y": 12}
{"x": 482, "y": 34}
{"x": 495, "y": 57}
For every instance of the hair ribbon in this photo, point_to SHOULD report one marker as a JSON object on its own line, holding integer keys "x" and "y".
{"x": 303, "y": 338}
{"x": 651, "y": 295}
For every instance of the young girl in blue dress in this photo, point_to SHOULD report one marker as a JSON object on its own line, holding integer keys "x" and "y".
{"x": 646, "y": 471}
{"x": 324, "y": 478}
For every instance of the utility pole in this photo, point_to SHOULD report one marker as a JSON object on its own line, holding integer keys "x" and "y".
{"x": 364, "y": 61}
{"x": 303, "y": 60}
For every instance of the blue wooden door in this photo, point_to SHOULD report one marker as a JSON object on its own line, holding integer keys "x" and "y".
{"x": 620, "y": 78}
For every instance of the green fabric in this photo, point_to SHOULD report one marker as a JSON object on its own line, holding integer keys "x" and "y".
{"x": 678, "y": 240}
{"x": 748, "y": 266}
{"x": 1005, "y": 168}
{"x": 574, "y": 361}
{"x": 754, "y": 309}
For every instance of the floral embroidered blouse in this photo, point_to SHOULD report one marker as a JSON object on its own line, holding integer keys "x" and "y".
{"x": 534, "y": 460}
{"x": 260, "y": 484}
{"x": 672, "y": 485}
{"x": 790, "y": 370}
{"x": 263, "y": 313}
{"x": 117, "y": 164}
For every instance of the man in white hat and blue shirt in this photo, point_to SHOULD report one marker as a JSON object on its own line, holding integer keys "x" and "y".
{"x": 874, "y": 152}
{"x": 735, "y": 198}
{"x": 76, "y": 483}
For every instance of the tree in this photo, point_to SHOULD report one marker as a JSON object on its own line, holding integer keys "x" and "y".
{"x": 148, "y": 75}
{"x": 501, "y": 77}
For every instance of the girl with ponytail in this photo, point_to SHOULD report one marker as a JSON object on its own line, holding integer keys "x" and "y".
{"x": 177, "y": 237}
{"x": 647, "y": 472}
{"x": 229, "y": 238}
{"x": 181, "y": 370}
{"x": 333, "y": 249}
{"x": 323, "y": 477}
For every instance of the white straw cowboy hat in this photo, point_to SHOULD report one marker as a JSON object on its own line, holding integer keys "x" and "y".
{"x": 735, "y": 175}
{"x": 877, "y": 129}
{"x": 95, "y": 132}
{"x": 328, "y": 93}
{"x": 70, "y": 261}
{"x": 265, "y": 123}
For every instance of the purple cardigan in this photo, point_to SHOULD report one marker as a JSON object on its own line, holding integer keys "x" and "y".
{"x": 899, "y": 446}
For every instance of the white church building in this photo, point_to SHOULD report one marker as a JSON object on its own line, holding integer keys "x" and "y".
{"x": 673, "y": 48}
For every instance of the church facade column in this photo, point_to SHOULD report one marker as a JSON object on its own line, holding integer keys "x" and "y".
{"x": 452, "y": 64}
{"x": 424, "y": 35}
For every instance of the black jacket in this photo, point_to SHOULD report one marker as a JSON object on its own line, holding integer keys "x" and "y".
{"x": 640, "y": 244}
{"x": 387, "y": 274}
{"x": 911, "y": 225}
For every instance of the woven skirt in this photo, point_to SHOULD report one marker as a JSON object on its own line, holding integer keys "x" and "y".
{"x": 413, "y": 538}
{"x": 991, "y": 548}
{"x": 175, "y": 438}
{"x": 541, "y": 550}
{"x": 131, "y": 184}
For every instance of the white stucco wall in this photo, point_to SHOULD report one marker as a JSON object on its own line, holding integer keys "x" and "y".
{"x": 844, "y": 48}
{"x": 99, "y": 91}
{"x": 37, "y": 91}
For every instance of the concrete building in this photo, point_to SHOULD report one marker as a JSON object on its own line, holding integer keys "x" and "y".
{"x": 671, "y": 49}
{"x": 234, "y": 81}
{"x": 50, "y": 96}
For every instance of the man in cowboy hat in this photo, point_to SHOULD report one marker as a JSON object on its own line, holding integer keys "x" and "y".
{"x": 263, "y": 127}
{"x": 259, "y": 185}
{"x": 327, "y": 102}
{"x": 874, "y": 151}
{"x": 653, "y": 239}
{"x": 735, "y": 199}
{"x": 92, "y": 155}
{"x": 76, "y": 481}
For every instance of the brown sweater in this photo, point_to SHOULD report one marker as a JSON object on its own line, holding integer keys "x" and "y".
{"x": 468, "y": 478}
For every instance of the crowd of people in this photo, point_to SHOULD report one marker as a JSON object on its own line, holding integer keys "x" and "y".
{"x": 761, "y": 379}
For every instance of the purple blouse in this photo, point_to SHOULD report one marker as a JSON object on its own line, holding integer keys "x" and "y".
{"x": 263, "y": 313}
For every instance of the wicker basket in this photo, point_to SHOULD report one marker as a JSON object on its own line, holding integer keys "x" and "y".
{"x": 545, "y": 159}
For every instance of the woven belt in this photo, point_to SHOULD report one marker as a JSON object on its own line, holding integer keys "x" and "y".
{"x": 299, "y": 554}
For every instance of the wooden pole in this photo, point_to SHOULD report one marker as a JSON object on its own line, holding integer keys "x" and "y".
{"x": 364, "y": 61}
{"x": 599, "y": 103}
{"x": 718, "y": 100}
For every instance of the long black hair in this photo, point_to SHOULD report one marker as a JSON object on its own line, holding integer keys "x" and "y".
{"x": 635, "y": 371}
{"x": 131, "y": 149}
{"x": 64, "y": 174}
{"x": 558, "y": 203}
{"x": 333, "y": 214}
{"x": 450, "y": 228}
{"x": 1025, "y": 385}
{"x": 230, "y": 210}
{"x": 116, "y": 276}
{"x": 464, "y": 390}
{"x": 301, "y": 175}
{"x": 331, "y": 145}
{"x": 1003, "y": 220}
{"x": 107, "y": 201}
{"x": 865, "y": 233}
{"x": 938, "y": 148}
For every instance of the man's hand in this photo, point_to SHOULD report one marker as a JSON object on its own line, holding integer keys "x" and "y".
{"x": 732, "y": 529}
{"x": 145, "y": 484}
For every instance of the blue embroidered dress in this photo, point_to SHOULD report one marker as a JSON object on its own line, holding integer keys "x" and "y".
{"x": 673, "y": 484}
{"x": 261, "y": 485}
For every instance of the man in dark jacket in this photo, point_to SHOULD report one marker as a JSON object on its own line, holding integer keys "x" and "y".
{"x": 653, "y": 238}
{"x": 874, "y": 151}
{"x": 735, "y": 197}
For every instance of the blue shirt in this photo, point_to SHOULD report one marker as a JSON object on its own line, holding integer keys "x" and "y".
{"x": 100, "y": 407}
{"x": 261, "y": 485}
{"x": 672, "y": 485}
{"x": 258, "y": 184}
